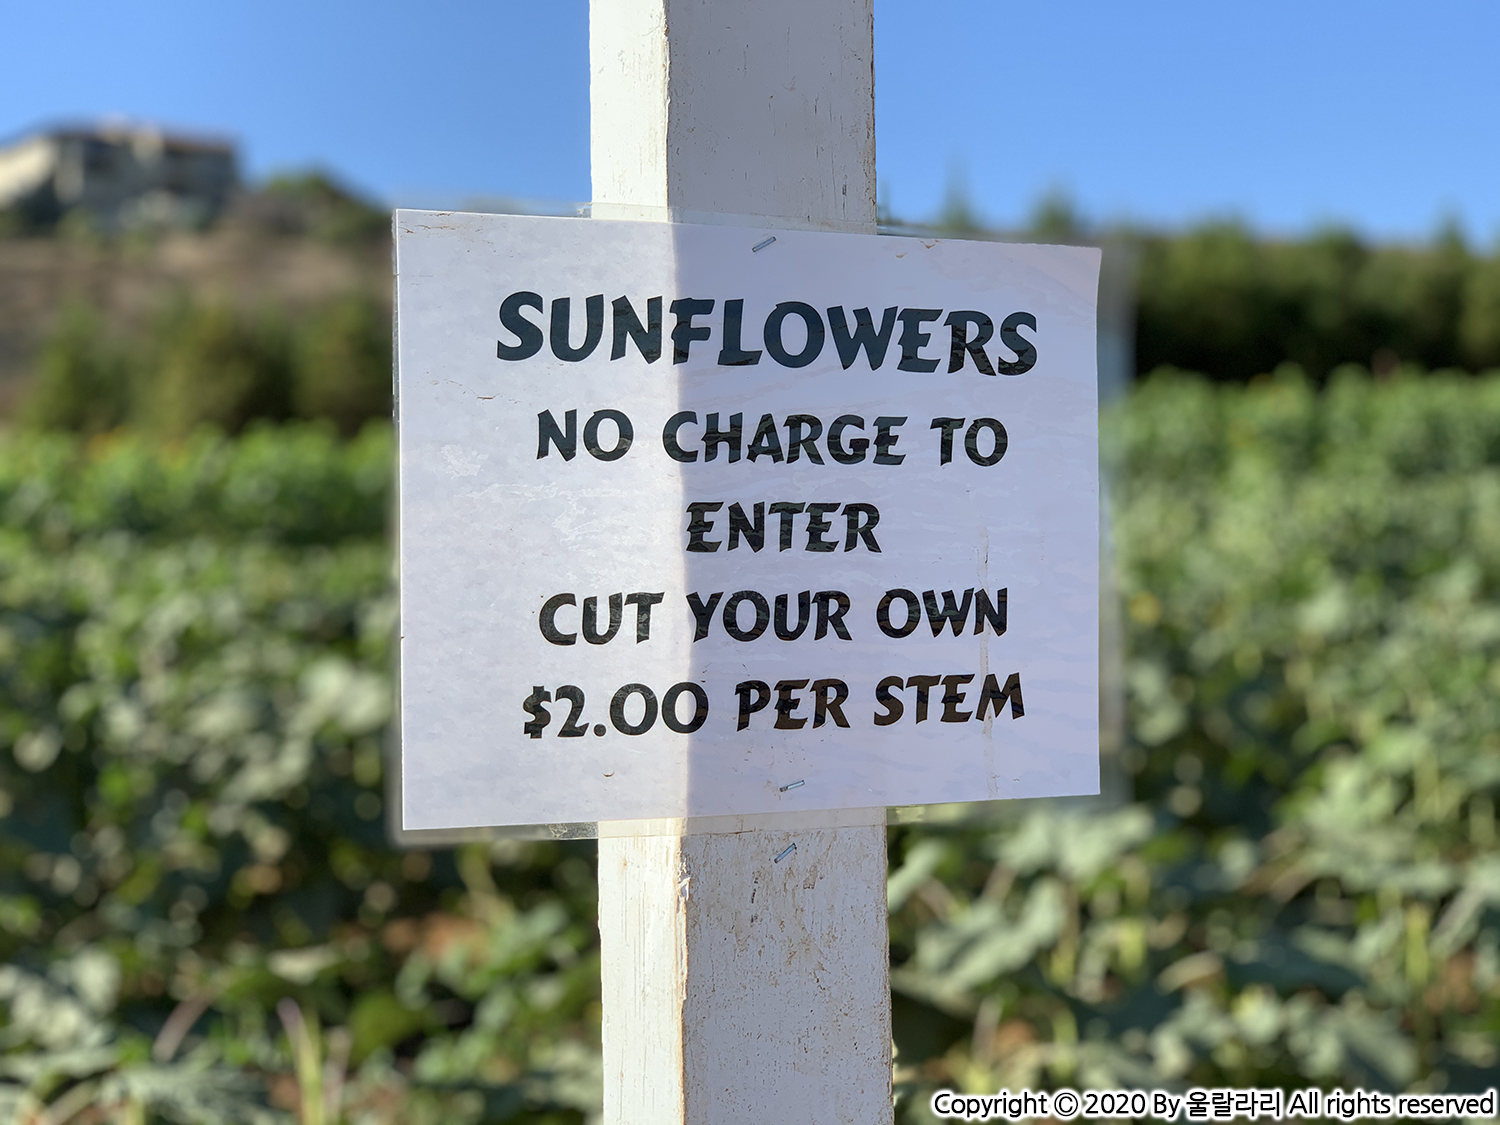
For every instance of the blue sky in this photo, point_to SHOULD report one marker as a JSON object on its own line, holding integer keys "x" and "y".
{"x": 1382, "y": 116}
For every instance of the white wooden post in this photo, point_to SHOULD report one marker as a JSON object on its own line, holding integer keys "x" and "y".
{"x": 740, "y": 989}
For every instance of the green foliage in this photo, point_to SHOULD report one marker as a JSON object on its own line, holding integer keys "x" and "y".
{"x": 1055, "y": 219}
{"x": 1215, "y": 300}
{"x": 201, "y": 919}
{"x": 194, "y": 653}
{"x": 204, "y": 363}
{"x": 344, "y": 364}
{"x": 1480, "y": 326}
{"x": 209, "y": 364}
{"x": 1305, "y": 889}
{"x": 1220, "y": 301}
{"x": 83, "y": 377}
{"x": 316, "y": 203}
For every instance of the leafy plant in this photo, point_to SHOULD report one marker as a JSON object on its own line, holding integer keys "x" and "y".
{"x": 344, "y": 364}
{"x": 1303, "y": 889}
{"x": 213, "y": 364}
{"x": 83, "y": 380}
{"x": 316, "y": 203}
{"x": 210, "y": 364}
{"x": 1221, "y": 301}
{"x": 1297, "y": 883}
{"x": 194, "y": 663}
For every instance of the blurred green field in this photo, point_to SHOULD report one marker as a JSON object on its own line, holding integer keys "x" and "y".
{"x": 201, "y": 919}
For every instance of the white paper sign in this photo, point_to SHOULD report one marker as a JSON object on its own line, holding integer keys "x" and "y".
{"x": 702, "y": 521}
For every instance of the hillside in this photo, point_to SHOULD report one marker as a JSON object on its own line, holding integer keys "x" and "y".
{"x": 1214, "y": 299}
{"x": 240, "y": 264}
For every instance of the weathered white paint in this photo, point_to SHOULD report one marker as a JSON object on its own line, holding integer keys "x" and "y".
{"x": 736, "y": 988}
{"x": 739, "y": 989}
{"x": 719, "y": 107}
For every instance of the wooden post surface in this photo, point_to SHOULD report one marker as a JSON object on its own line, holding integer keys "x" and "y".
{"x": 739, "y": 988}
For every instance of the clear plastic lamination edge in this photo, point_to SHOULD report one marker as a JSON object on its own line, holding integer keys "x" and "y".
{"x": 955, "y": 814}
{"x": 1109, "y": 793}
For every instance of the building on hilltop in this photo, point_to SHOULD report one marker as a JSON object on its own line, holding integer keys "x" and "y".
{"x": 120, "y": 176}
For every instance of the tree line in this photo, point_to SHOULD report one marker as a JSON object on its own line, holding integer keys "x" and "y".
{"x": 1215, "y": 299}
{"x": 1219, "y": 301}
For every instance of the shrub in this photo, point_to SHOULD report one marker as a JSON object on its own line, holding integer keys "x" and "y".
{"x": 1295, "y": 882}
{"x": 344, "y": 364}
{"x": 1221, "y": 301}
{"x": 1303, "y": 890}
{"x": 210, "y": 364}
{"x": 83, "y": 377}
{"x": 194, "y": 694}
{"x": 317, "y": 204}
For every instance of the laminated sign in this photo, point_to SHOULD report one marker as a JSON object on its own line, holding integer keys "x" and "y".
{"x": 707, "y": 520}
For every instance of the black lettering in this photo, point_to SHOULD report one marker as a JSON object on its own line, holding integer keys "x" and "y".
{"x": 643, "y": 604}
{"x": 766, "y": 440}
{"x": 713, "y": 437}
{"x": 971, "y": 441}
{"x": 591, "y": 619}
{"x": 815, "y": 333}
{"x": 865, "y": 336}
{"x": 745, "y": 689}
{"x": 825, "y": 600}
{"x": 884, "y": 439}
{"x": 959, "y": 322}
{"x": 547, "y": 619}
{"x": 893, "y": 706}
{"x": 945, "y": 443}
{"x": 994, "y": 614}
{"x": 913, "y": 339}
{"x": 955, "y": 615}
{"x": 669, "y": 436}
{"x": 703, "y": 615}
{"x": 571, "y": 728}
{"x": 856, "y": 451}
{"x": 913, "y": 613}
{"x": 804, "y": 604}
{"x": 732, "y": 354}
{"x": 624, "y": 435}
{"x": 628, "y": 326}
{"x": 786, "y": 510}
{"x": 698, "y": 527}
{"x": 593, "y": 327}
{"x": 617, "y": 709}
{"x": 528, "y": 335}
{"x": 540, "y": 716}
{"x": 731, "y": 618}
{"x": 739, "y": 524}
{"x": 547, "y": 433}
{"x": 1025, "y": 350}
{"x": 817, "y": 525}
{"x": 829, "y": 697}
{"x": 669, "y": 707}
{"x": 785, "y": 705}
{"x": 684, "y": 332}
{"x": 995, "y": 695}
{"x": 857, "y": 530}
{"x": 796, "y": 443}
{"x": 952, "y": 697}
{"x": 923, "y": 684}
